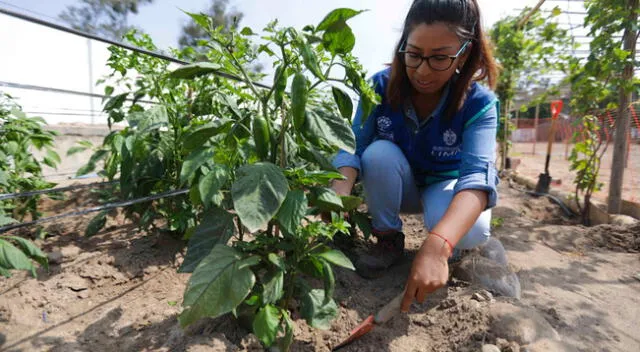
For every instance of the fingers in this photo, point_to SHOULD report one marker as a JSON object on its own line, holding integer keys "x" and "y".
{"x": 422, "y": 294}
{"x": 409, "y": 294}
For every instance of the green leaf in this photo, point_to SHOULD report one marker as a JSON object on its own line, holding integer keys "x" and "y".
{"x": 329, "y": 281}
{"x": 292, "y": 211}
{"x": 273, "y": 287}
{"x": 350, "y": 203}
{"x": 12, "y": 258}
{"x": 336, "y": 257}
{"x": 201, "y": 19}
{"x": 115, "y": 102}
{"x": 193, "y": 162}
{"x": 76, "y": 149}
{"x": 219, "y": 284}
{"x": 4, "y": 179}
{"x": 51, "y": 154}
{"x": 363, "y": 223}
{"x": 5, "y": 220}
{"x": 211, "y": 184}
{"x": 149, "y": 120}
{"x": 199, "y": 136}
{"x": 345, "y": 105}
{"x": 335, "y": 130}
{"x": 246, "y": 31}
{"x": 318, "y": 311}
{"x": 339, "y": 39}
{"x": 266, "y": 324}
{"x": 276, "y": 260}
{"x": 31, "y": 250}
{"x": 326, "y": 199}
{"x": 340, "y": 15}
{"x": 258, "y": 192}
{"x": 287, "y": 340}
{"x": 216, "y": 228}
{"x": 192, "y": 71}
{"x": 96, "y": 224}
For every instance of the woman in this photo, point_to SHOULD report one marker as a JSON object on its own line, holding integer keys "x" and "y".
{"x": 429, "y": 147}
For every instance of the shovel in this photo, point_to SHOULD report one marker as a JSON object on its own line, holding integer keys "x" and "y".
{"x": 544, "y": 180}
{"x": 385, "y": 314}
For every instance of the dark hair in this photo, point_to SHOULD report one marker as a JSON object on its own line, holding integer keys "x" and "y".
{"x": 464, "y": 16}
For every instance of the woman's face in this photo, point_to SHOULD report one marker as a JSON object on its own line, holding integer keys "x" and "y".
{"x": 428, "y": 40}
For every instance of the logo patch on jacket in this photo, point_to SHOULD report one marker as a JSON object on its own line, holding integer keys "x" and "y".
{"x": 385, "y": 129}
{"x": 449, "y": 137}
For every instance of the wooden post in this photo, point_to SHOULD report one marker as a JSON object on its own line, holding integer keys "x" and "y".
{"x": 622, "y": 125}
{"x": 535, "y": 128}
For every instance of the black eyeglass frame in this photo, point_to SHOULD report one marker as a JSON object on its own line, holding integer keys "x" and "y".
{"x": 428, "y": 58}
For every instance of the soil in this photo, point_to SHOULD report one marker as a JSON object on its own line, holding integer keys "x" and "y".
{"x": 119, "y": 291}
{"x": 559, "y": 168}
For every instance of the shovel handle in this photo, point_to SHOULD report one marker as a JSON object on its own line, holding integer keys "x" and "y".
{"x": 390, "y": 309}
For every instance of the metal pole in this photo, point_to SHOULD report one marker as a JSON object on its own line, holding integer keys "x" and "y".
{"x": 535, "y": 128}
{"x": 90, "y": 62}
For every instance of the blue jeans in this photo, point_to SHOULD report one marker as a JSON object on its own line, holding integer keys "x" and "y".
{"x": 390, "y": 189}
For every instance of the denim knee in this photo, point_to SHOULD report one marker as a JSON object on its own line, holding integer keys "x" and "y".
{"x": 383, "y": 155}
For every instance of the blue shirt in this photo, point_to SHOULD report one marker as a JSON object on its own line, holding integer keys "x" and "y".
{"x": 438, "y": 148}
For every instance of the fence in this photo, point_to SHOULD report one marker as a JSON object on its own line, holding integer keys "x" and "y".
{"x": 531, "y": 136}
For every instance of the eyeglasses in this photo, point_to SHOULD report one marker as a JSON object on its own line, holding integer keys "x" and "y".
{"x": 435, "y": 62}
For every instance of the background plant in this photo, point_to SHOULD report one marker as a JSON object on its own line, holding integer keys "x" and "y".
{"x": 527, "y": 46}
{"x": 21, "y": 171}
{"x": 595, "y": 82}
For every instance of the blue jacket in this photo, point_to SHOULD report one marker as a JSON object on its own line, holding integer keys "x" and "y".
{"x": 437, "y": 148}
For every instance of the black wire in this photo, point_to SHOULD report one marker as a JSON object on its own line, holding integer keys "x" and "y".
{"x": 58, "y": 90}
{"x": 113, "y": 42}
{"x": 95, "y": 209}
{"x": 52, "y": 190}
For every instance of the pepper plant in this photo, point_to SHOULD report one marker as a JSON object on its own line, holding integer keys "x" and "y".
{"x": 255, "y": 161}
{"x": 21, "y": 171}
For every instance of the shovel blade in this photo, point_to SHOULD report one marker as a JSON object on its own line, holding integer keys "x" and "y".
{"x": 357, "y": 332}
{"x": 544, "y": 180}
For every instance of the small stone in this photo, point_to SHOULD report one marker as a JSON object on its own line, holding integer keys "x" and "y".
{"x": 545, "y": 345}
{"x": 490, "y": 348}
{"x": 522, "y": 325}
{"x": 475, "y": 305}
{"x": 512, "y": 347}
{"x": 55, "y": 257}
{"x": 82, "y": 294}
{"x": 502, "y": 343}
{"x": 622, "y": 220}
{"x": 482, "y": 296}
{"x": 70, "y": 252}
{"x": 448, "y": 303}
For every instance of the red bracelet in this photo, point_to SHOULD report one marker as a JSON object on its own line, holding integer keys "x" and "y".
{"x": 445, "y": 240}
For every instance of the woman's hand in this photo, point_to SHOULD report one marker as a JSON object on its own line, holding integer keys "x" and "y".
{"x": 429, "y": 272}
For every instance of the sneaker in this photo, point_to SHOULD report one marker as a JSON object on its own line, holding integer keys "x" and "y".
{"x": 387, "y": 251}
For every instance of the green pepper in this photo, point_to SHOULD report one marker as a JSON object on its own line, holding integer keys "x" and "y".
{"x": 261, "y": 137}
{"x": 299, "y": 95}
{"x": 280, "y": 85}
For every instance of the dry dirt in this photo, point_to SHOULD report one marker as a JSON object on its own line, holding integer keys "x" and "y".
{"x": 119, "y": 291}
{"x": 559, "y": 168}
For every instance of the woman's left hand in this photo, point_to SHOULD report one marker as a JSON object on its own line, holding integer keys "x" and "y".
{"x": 429, "y": 272}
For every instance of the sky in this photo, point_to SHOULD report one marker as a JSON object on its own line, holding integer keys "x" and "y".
{"x": 46, "y": 57}
{"x": 376, "y": 30}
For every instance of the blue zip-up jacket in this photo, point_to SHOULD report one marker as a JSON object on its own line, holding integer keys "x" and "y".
{"x": 437, "y": 149}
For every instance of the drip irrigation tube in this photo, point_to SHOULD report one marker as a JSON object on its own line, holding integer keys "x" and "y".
{"x": 95, "y": 209}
